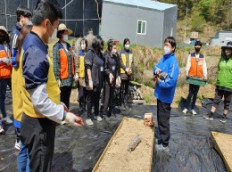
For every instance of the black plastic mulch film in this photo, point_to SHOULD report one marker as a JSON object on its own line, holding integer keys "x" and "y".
{"x": 78, "y": 149}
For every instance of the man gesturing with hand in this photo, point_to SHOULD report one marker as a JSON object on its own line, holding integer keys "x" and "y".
{"x": 40, "y": 91}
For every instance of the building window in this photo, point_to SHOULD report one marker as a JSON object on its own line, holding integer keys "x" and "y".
{"x": 142, "y": 26}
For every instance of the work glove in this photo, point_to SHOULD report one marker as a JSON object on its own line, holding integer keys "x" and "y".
{"x": 111, "y": 77}
{"x": 90, "y": 86}
{"x": 6, "y": 60}
{"x": 76, "y": 78}
{"x": 73, "y": 119}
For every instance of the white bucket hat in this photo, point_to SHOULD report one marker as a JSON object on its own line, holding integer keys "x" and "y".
{"x": 3, "y": 28}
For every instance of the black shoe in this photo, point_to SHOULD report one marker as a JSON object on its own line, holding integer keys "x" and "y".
{"x": 106, "y": 117}
{"x": 223, "y": 119}
{"x": 208, "y": 116}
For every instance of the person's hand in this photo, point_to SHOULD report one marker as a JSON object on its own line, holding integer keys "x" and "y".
{"x": 130, "y": 71}
{"x": 90, "y": 86}
{"x": 65, "y": 107}
{"x": 157, "y": 80}
{"x": 127, "y": 70}
{"x": 73, "y": 119}
{"x": 157, "y": 71}
{"x": 76, "y": 78}
{"x": 7, "y": 61}
{"x": 118, "y": 81}
{"x": 111, "y": 77}
{"x": 59, "y": 83}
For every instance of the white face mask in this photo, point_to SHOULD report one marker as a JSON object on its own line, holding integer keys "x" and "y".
{"x": 127, "y": 46}
{"x": 114, "y": 51}
{"x": 65, "y": 38}
{"x": 167, "y": 50}
{"x": 53, "y": 37}
{"x": 83, "y": 46}
{"x": 228, "y": 52}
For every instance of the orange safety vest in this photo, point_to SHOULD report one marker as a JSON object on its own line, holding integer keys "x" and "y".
{"x": 64, "y": 61}
{"x": 196, "y": 68}
{"x": 5, "y": 69}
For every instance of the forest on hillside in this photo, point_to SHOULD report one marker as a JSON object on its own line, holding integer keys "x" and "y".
{"x": 211, "y": 12}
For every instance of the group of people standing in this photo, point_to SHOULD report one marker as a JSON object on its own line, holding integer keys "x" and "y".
{"x": 96, "y": 73}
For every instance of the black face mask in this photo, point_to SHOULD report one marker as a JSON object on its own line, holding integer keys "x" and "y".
{"x": 2, "y": 39}
{"x": 197, "y": 50}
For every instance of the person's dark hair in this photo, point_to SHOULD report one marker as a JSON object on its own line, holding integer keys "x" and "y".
{"x": 110, "y": 44}
{"x": 60, "y": 33}
{"x": 4, "y": 37}
{"x": 23, "y": 11}
{"x": 46, "y": 10}
{"x": 171, "y": 40}
{"x": 125, "y": 41}
{"x": 19, "y": 43}
{"x": 98, "y": 43}
{"x": 86, "y": 42}
{"x": 198, "y": 43}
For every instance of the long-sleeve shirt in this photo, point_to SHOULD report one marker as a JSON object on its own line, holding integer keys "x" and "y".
{"x": 40, "y": 81}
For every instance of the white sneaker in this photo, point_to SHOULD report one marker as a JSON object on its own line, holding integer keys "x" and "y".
{"x": 89, "y": 122}
{"x": 17, "y": 145}
{"x": 194, "y": 112}
{"x": 7, "y": 120}
{"x": 1, "y": 130}
{"x": 160, "y": 147}
{"x": 185, "y": 110}
{"x": 99, "y": 118}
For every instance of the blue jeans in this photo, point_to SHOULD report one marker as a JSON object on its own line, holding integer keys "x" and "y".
{"x": 3, "y": 85}
{"x": 23, "y": 159}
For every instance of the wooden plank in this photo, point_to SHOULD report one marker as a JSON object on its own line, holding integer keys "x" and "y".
{"x": 116, "y": 157}
{"x": 222, "y": 143}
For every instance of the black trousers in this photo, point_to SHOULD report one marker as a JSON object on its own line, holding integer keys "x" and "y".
{"x": 82, "y": 97}
{"x": 193, "y": 90}
{"x": 92, "y": 100}
{"x": 218, "y": 97}
{"x": 108, "y": 98}
{"x": 65, "y": 95}
{"x": 38, "y": 135}
{"x": 124, "y": 91}
{"x": 163, "y": 117}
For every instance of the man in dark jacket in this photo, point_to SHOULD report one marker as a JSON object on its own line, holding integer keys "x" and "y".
{"x": 23, "y": 17}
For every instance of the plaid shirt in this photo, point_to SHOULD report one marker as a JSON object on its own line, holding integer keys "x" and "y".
{"x": 56, "y": 62}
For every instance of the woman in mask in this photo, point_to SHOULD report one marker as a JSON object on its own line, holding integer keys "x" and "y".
{"x": 5, "y": 72}
{"x": 111, "y": 73}
{"x": 224, "y": 83}
{"x": 94, "y": 75}
{"x": 63, "y": 60}
{"x": 195, "y": 67}
{"x": 166, "y": 74}
{"x": 80, "y": 74}
{"x": 126, "y": 64}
